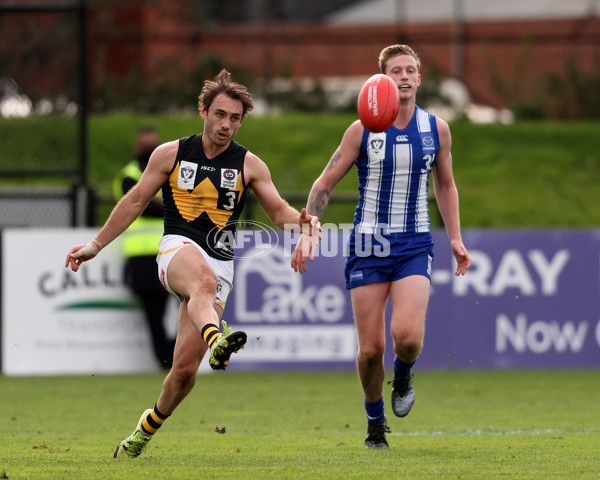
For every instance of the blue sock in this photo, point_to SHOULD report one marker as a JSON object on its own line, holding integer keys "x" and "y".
{"x": 402, "y": 369}
{"x": 375, "y": 411}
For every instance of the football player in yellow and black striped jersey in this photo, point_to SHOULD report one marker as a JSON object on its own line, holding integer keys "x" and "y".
{"x": 204, "y": 179}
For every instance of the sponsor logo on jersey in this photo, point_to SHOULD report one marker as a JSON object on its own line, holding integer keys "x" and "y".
{"x": 428, "y": 142}
{"x": 207, "y": 168}
{"x": 402, "y": 138}
{"x": 187, "y": 174}
{"x": 229, "y": 177}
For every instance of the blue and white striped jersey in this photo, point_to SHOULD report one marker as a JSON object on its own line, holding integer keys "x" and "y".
{"x": 393, "y": 173}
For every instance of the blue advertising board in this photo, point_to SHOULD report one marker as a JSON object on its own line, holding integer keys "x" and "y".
{"x": 530, "y": 300}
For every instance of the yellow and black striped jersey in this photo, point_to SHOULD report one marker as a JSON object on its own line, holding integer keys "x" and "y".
{"x": 204, "y": 197}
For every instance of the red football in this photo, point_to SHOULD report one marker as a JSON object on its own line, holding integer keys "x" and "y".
{"x": 378, "y": 103}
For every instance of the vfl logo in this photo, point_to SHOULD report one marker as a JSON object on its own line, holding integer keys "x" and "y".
{"x": 228, "y": 178}
{"x": 187, "y": 174}
{"x": 376, "y": 146}
{"x": 402, "y": 138}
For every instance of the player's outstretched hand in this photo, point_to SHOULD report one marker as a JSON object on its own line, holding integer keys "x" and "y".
{"x": 308, "y": 242}
{"x": 302, "y": 252}
{"x": 463, "y": 259}
{"x": 311, "y": 223}
{"x": 81, "y": 253}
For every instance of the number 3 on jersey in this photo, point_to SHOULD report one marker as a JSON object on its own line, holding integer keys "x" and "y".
{"x": 429, "y": 158}
{"x": 227, "y": 200}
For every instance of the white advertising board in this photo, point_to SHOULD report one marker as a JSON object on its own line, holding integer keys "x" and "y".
{"x": 55, "y": 321}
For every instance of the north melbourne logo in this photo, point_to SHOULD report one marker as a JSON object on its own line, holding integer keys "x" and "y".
{"x": 428, "y": 142}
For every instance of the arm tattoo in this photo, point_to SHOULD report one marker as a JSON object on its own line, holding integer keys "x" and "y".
{"x": 319, "y": 197}
{"x": 317, "y": 201}
{"x": 335, "y": 159}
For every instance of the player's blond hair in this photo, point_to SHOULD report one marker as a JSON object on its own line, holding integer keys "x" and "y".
{"x": 394, "y": 50}
{"x": 223, "y": 84}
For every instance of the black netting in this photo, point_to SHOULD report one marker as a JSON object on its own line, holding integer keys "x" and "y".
{"x": 40, "y": 90}
{"x": 42, "y": 114}
{"x": 36, "y": 208}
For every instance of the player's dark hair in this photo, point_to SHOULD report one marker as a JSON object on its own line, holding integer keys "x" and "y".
{"x": 223, "y": 84}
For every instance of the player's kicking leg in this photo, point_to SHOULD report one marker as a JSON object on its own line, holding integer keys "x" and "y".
{"x": 222, "y": 345}
{"x": 189, "y": 351}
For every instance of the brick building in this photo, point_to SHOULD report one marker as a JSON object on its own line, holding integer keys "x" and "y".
{"x": 164, "y": 39}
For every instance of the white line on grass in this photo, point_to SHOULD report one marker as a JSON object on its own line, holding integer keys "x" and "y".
{"x": 492, "y": 431}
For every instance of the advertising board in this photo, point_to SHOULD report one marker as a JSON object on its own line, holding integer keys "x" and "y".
{"x": 530, "y": 300}
{"x": 55, "y": 321}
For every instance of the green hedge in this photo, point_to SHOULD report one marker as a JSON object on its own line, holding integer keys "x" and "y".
{"x": 537, "y": 174}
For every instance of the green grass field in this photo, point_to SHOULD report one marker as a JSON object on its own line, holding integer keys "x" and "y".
{"x": 464, "y": 425}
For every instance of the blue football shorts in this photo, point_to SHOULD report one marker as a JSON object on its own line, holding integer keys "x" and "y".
{"x": 385, "y": 258}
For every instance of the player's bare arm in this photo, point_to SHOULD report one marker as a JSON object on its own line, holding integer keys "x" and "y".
{"x": 129, "y": 207}
{"x": 446, "y": 195}
{"x": 339, "y": 164}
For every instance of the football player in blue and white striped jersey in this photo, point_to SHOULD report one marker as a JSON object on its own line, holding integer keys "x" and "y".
{"x": 390, "y": 249}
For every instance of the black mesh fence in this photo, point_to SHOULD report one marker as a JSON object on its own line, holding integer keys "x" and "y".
{"x": 42, "y": 112}
{"x": 40, "y": 208}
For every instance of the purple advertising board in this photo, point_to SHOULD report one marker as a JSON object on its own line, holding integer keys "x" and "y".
{"x": 530, "y": 300}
